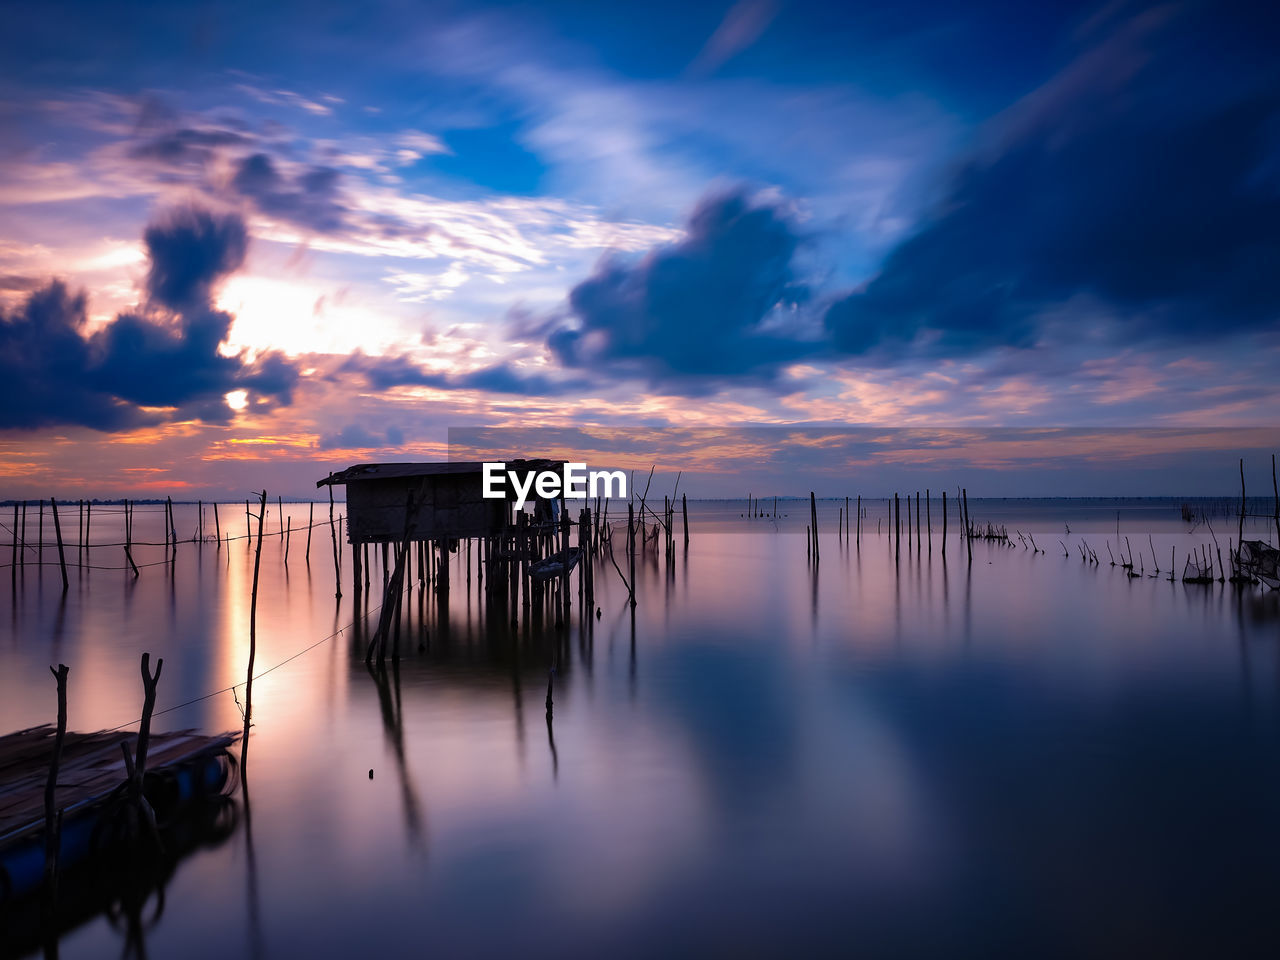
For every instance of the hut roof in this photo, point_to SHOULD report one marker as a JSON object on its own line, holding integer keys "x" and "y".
{"x": 392, "y": 471}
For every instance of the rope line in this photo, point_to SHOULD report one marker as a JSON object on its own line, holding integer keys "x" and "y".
{"x": 256, "y": 676}
{"x": 69, "y": 545}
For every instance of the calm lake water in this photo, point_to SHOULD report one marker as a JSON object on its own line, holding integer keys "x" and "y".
{"x": 888, "y": 754}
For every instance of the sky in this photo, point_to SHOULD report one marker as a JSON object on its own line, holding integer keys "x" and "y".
{"x": 244, "y": 244}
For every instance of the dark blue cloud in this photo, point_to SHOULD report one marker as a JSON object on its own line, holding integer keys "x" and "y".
{"x": 311, "y": 199}
{"x": 398, "y": 370}
{"x": 43, "y": 360}
{"x": 143, "y": 367}
{"x": 190, "y": 250}
{"x": 1145, "y": 179}
{"x": 696, "y": 308}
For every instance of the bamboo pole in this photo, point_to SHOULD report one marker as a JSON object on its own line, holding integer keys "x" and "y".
{"x": 684, "y": 508}
{"x": 928, "y": 517}
{"x": 858, "y": 527}
{"x": 62, "y": 558}
{"x": 217, "y": 525}
{"x": 40, "y": 546}
{"x": 288, "y": 533}
{"x": 311, "y": 517}
{"x": 968, "y": 523}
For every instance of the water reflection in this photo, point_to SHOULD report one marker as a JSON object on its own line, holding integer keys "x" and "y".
{"x": 766, "y": 756}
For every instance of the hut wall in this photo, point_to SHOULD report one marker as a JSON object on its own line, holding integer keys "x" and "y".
{"x": 452, "y": 506}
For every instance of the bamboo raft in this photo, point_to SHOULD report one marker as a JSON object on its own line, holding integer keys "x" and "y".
{"x": 182, "y": 766}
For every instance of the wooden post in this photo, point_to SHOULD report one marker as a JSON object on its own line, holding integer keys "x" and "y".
{"x": 968, "y": 523}
{"x": 248, "y": 530}
{"x": 217, "y": 525}
{"x": 79, "y": 532}
{"x": 1240, "y": 536}
{"x": 813, "y": 514}
{"x": 13, "y": 561}
{"x": 253, "y": 620}
{"x": 57, "y": 529}
{"x": 944, "y": 523}
{"x": 684, "y": 508}
{"x": 128, "y": 538}
{"x": 587, "y": 571}
{"x": 311, "y": 517}
{"x": 928, "y": 518}
{"x": 288, "y": 532}
{"x": 52, "y": 815}
{"x": 173, "y": 526}
{"x": 1275, "y": 491}
{"x": 200, "y": 520}
{"x": 149, "y": 682}
{"x": 355, "y": 570}
{"x": 631, "y": 550}
{"x": 917, "y": 519}
{"x": 858, "y": 527}
{"x": 333, "y": 532}
{"x": 563, "y": 612}
{"x": 40, "y": 546}
{"x": 22, "y": 554}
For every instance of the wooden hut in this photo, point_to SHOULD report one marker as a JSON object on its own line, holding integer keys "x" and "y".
{"x": 448, "y": 500}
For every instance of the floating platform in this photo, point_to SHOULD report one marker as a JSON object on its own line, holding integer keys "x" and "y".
{"x": 182, "y": 767}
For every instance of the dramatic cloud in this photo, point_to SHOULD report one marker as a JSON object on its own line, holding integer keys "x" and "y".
{"x": 1133, "y": 181}
{"x": 310, "y": 199}
{"x": 43, "y": 360}
{"x": 159, "y": 363}
{"x": 189, "y": 252}
{"x": 696, "y": 308}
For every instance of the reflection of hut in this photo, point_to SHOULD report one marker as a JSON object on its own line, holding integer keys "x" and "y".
{"x": 448, "y": 500}
{"x": 421, "y": 513}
